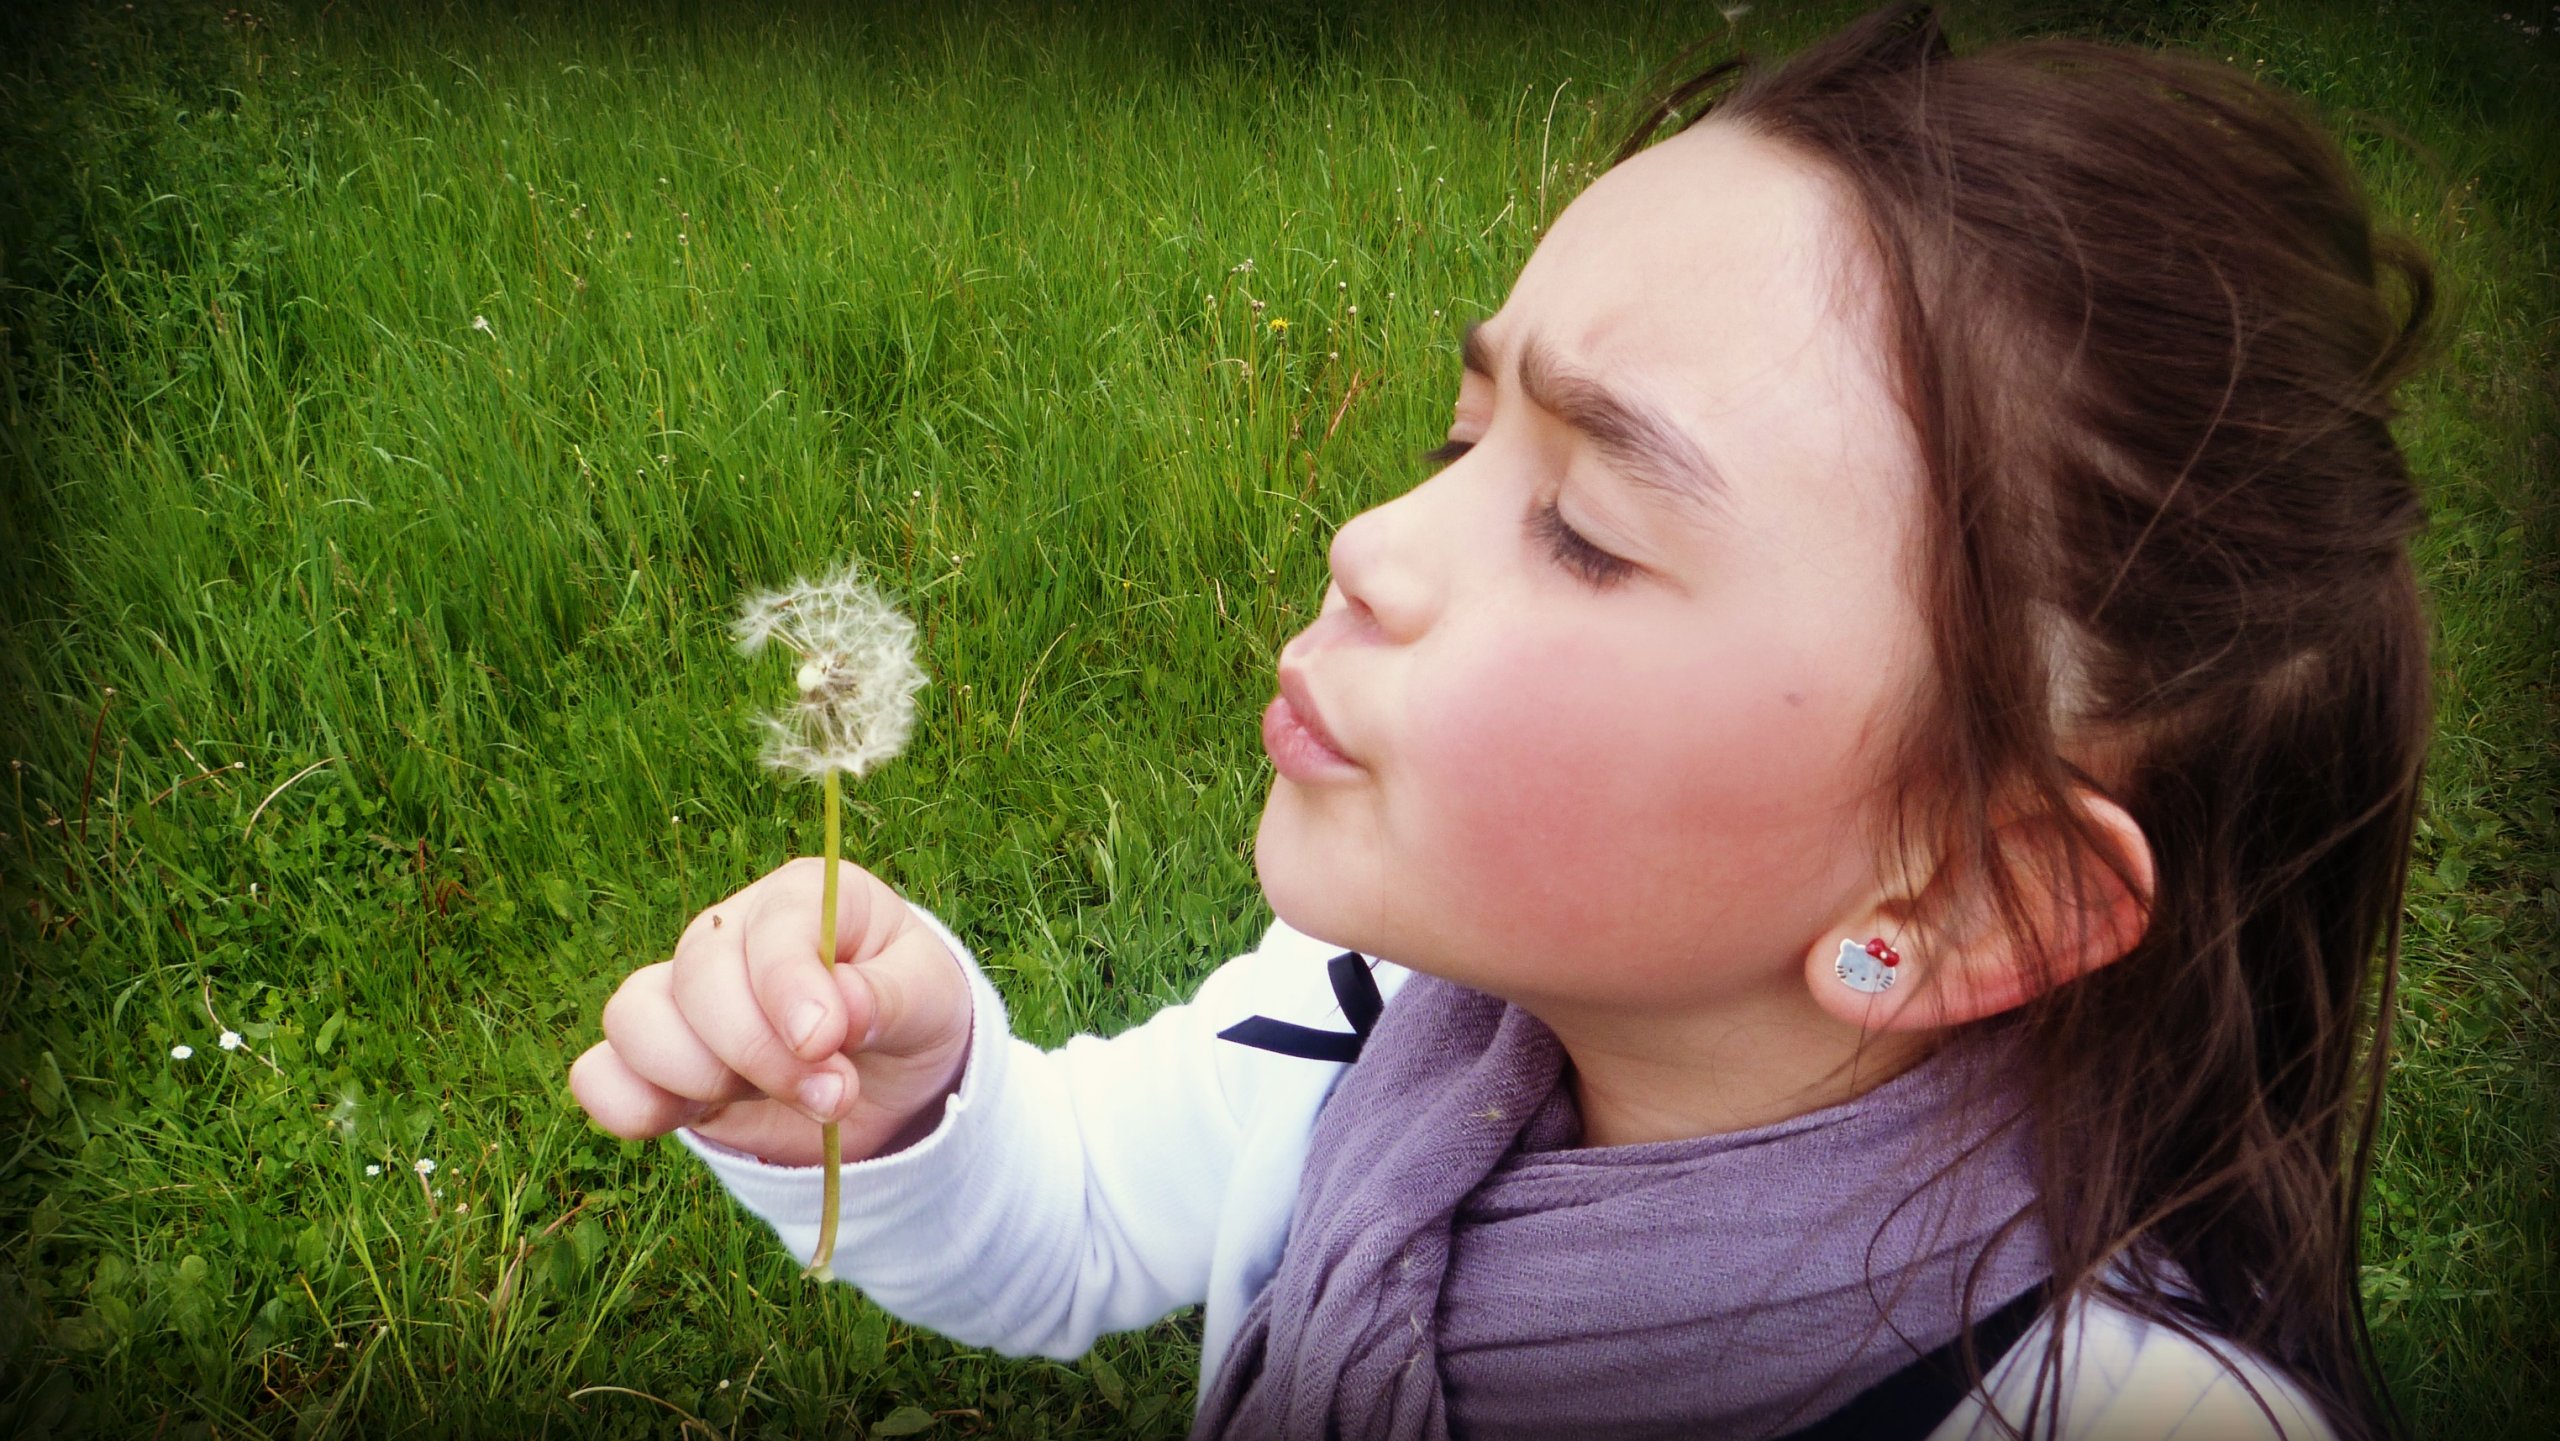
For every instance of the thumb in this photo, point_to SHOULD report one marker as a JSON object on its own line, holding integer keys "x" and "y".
{"x": 911, "y": 998}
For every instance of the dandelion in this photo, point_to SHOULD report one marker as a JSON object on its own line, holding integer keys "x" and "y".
{"x": 231, "y": 1040}
{"x": 481, "y": 323}
{"x": 181, "y": 1052}
{"x": 424, "y": 1166}
{"x": 858, "y": 674}
{"x": 373, "y": 1168}
{"x": 1732, "y": 13}
{"x": 1279, "y": 326}
{"x": 858, "y": 680}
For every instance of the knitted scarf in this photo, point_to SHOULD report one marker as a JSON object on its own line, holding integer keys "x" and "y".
{"x": 1456, "y": 1266}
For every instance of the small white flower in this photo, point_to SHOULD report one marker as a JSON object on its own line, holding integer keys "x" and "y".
{"x": 481, "y": 324}
{"x": 231, "y": 1040}
{"x": 374, "y": 1169}
{"x": 181, "y": 1052}
{"x": 858, "y": 675}
{"x": 424, "y": 1167}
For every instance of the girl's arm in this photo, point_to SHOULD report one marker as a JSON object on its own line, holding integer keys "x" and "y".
{"x": 1066, "y": 1193}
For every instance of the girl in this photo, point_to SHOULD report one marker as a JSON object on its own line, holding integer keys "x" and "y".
{"x": 1877, "y": 777}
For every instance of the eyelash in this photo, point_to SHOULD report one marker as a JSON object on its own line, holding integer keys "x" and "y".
{"x": 1568, "y": 547}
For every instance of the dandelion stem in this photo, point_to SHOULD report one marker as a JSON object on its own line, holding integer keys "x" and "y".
{"x": 831, "y": 1136}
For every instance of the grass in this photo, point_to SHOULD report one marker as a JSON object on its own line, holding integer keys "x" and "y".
{"x": 400, "y": 399}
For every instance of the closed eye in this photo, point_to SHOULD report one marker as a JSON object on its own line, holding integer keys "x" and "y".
{"x": 1588, "y": 563}
{"x": 1568, "y": 547}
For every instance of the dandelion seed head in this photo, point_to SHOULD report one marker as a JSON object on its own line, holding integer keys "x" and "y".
{"x": 181, "y": 1052}
{"x": 231, "y": 1040}
{"x": 373, "y": 1168}
{"x": 424, "y": 1167}
{"x": 858, "y": 675}
{"x": 480, "y": 323}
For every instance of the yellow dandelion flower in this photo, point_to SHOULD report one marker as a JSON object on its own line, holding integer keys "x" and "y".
{"x": 1279, "y": 326}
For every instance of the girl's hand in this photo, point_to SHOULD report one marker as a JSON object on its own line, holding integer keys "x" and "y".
{"x": 751, "y": 1039}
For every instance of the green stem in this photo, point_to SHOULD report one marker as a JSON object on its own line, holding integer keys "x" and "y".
{"x": 831, "y": 1136}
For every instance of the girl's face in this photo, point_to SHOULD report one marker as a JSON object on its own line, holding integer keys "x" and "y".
{"x": 1608, "y": 695}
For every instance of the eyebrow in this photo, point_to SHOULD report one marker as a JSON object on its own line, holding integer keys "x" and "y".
{"x": 1638, "y": 439}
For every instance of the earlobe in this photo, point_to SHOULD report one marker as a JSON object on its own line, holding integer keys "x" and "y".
{"x": 1952, "y": 955}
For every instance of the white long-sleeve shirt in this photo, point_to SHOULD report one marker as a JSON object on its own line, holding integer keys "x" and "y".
{"x": 1106, "y": 1184}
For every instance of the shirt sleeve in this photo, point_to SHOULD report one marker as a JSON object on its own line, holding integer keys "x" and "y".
{"x": 1064, "y": 1193}
{"x": 2127, "y": 1378}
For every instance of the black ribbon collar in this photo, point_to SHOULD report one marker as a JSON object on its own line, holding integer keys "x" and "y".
{"x": 1353, "y": 987}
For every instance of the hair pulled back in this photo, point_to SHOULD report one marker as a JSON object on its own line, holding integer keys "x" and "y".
{"x": 2136, "y": 307}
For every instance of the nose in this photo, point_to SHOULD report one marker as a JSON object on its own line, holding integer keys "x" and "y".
{"x": 1381, "y": 564}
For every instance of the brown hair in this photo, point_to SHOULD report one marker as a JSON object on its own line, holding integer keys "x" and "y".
{"x": 2135, "y": 308}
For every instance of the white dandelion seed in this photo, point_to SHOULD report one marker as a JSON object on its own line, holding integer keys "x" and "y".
{"x": 181, "y": 1052}
{"x": 231, "y": 1040}
{"x": 858, "y": 675}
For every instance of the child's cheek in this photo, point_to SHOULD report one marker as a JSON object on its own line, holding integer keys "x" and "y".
{"x": 1635, "y": 798}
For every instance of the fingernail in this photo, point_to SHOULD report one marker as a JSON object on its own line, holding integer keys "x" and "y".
{"x": 821, "y": 1094}
{"x": 806, "y": 1017}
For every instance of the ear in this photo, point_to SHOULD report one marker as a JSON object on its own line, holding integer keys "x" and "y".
{"x": 1958, "y": 960}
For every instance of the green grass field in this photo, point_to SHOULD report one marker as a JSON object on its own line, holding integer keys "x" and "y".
{"x": 401, "y": 397}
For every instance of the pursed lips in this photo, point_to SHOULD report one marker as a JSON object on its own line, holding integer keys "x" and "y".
{"x": 1302, "y": 704}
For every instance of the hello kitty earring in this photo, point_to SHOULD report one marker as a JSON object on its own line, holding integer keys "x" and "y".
{"x": 1867, "y": 967}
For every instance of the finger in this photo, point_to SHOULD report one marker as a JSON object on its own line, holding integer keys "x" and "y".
{"x": 622, "y": 1102}
{"x": 787, "y": 965}
{"x": 910, "y": 998}
{"x": 713, "y": 991}
{"x": 652, "y": 1038}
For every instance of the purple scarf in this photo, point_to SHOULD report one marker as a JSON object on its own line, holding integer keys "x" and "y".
{"x": 1456, "y": 1267}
